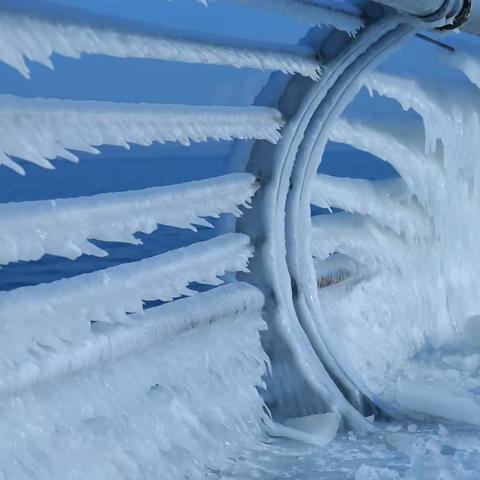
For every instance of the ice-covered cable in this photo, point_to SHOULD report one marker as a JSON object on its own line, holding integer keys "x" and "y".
{"x": 48, "y": 315}
{"x": 37, "y": 130}
{"x": 35, "y": 32}
{"x": 64, "y": 227}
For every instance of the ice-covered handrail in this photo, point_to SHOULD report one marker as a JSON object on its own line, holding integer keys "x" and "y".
{"x": 403, "y": 148}
{"x": 334, "y": 13}
{"x": 37, "y": 130}
{"x": 387, "y": 201}
{"x": 50, "y": 314}
{"x": 145, "y": 331}
{"x": 65, "y": 226}
{"x": 356, "y": 236}
{"x": 35, "y": 32}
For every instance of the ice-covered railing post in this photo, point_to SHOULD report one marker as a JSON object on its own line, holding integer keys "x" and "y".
{"x": 173, "y": 391}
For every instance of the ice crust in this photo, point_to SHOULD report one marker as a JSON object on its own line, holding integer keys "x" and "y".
{"x": 159, "y": 413}
{"x": 39, "y": 130}
{"x": 35, "y": 32}
{"x": 55, "y": 315}
{"x": 65, "y": 226}
{"x": 419, "y": 247}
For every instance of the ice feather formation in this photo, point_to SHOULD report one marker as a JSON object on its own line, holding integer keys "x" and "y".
{"x": 64, "y": 227}
{"x": 48, "y": 315}
{"x": 122, "y": 411}
{"x": 37, "y": 130}
{"x": 36, "y": 32}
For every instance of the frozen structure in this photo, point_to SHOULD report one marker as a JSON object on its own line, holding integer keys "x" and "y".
{"x": 311, "y": 324}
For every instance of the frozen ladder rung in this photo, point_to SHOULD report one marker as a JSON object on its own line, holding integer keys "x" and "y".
{"x": 38, "y": 130}
{"x": 389, "y": 202}
{"x": 37, "y": 31}
{"x": 144, "y": 332}
{"x": 65, "y": 227}
{"x": 53, "y": 315}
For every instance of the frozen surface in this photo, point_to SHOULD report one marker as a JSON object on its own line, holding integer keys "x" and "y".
{"x": 53, "y": 315}
{"x": 408, "y": 331}
{"x": 41, "y": 129}
{"x": 395, "y": 452}
{"x": 115, "y": 420}
{"x": 65, "y": 226}
{"x": 33, "y": 31}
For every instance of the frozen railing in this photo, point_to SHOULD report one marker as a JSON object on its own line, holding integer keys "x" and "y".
{"x": 144, "y": 392}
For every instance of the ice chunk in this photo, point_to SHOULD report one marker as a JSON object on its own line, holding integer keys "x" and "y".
{"x": 367, "y": 472}
{"x": 439, "y": 400}
{"x": 315, "y": 429}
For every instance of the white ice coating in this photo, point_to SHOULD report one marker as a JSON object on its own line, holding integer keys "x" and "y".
{"x": 387, "y": 201}
{"x": 333, "y": 13}
{"x": 467, "y": 59}
{"x": 151, "y": 328}
{"x": 38, "y": 130}
{"x": 357, "y": 236}
{"x": 159, "y": 413}
{"x": 398, "y": 142}
{"x": 52, "y": 315}
{"x": 64, "y": 227}
{"x": 422, "y": 295}
{"x": 36, "y": 32}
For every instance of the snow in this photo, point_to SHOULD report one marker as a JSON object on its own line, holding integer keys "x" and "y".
{"x": 65, "y": 226}
{"x": 52, "y": 315}
{"x": 38, "y": 130}
{"x": 35, "y": 32}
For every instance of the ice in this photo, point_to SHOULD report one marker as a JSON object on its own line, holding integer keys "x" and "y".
{"x": 388, "y": 202}
{"x": 315, "y": 429}
{"x": 35, "y": 32}
{"x": 39, "y": 130}
{"x": 65, "y": 226}
{"x": 366, "y": 472}
{"x": 439, "y": 399}
{"x": 53, "y": 315}
{"x": 471, "y": 331}
{"x": 420, "y": 252}
{"x": 157, "y": 414}
{"x": 334, "y": 13}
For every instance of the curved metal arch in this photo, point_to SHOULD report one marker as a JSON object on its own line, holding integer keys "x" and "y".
{"x": 306, "y": 377}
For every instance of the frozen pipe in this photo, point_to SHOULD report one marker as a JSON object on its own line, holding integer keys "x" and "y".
{"x": 460, "y": 14}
